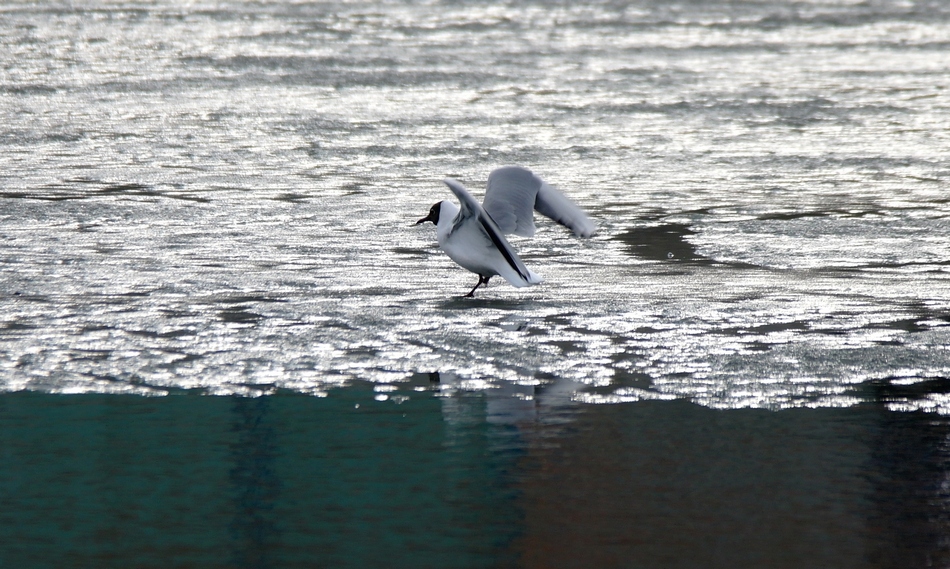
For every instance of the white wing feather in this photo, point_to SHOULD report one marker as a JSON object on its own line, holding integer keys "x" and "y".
{"x": 510, "y": 197}
{"x": 514, "y": 193}
{"x": 471, "y": 211}
{"x": 557, "y": 206}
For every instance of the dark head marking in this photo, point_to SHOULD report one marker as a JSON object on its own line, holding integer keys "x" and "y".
{"x": 433, "y": 214}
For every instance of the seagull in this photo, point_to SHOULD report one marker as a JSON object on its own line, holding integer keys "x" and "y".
{"x": 473, "y": 235}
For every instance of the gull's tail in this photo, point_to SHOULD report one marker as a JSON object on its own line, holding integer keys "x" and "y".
{"x": 515, "y": 279}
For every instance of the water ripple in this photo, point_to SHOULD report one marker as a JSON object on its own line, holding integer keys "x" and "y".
{"x": 222, "y": 200}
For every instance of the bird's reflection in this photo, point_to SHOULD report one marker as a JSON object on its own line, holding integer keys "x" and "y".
{"x": 255, "y": 485}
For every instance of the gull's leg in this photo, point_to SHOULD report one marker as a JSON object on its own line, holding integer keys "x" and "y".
{"x": 481, "y": 280}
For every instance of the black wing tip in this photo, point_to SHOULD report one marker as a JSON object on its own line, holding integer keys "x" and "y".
{"x": 500, "y": 245}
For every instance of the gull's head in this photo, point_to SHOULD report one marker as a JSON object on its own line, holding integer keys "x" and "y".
{"x": 434, "y": 213}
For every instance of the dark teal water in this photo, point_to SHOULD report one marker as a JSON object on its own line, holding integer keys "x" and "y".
{"x": 348, "y": 481}
{"x": 283, "y": 481}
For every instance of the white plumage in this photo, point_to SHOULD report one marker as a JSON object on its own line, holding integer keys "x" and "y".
{"x": 473, "y": 235}
{"x": 514, "y": 193}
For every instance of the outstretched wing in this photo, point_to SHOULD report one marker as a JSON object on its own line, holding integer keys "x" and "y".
{"x": 514, "y": 193}
{"x": 470, "y": 208}
{"x": 552, "y": 203}
{"x": 510, "y": 197}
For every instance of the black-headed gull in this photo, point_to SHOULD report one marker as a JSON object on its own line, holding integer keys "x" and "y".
{"x": 474, "y": 234}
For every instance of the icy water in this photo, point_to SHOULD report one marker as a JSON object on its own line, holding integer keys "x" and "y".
{"x": 217, "y": 199}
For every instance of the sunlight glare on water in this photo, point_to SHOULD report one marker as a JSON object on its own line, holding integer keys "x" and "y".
{"x": 222, "y": 199}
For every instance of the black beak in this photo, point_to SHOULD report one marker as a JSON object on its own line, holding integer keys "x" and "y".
{"x": 433, "y": 215}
